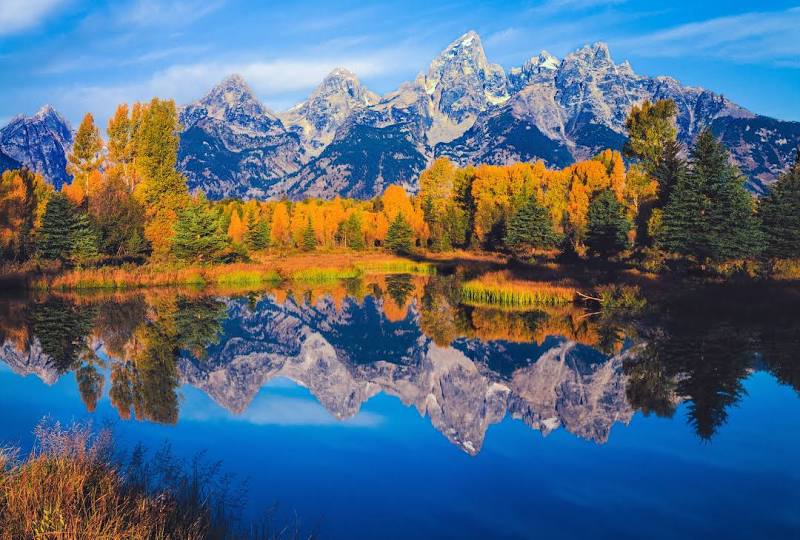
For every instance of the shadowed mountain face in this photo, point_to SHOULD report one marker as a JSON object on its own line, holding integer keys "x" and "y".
{"x": 463, "y": 368}
{"x": 346, "y": 140}
{"x": 39, "y": 142}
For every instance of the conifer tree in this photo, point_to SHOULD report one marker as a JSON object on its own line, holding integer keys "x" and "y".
{"x": 607, "y": 225}
{"x": 399, "y": 237}
{"x": 54, "y": 240}
{"x": 257, "y": 236}
{"x": 670, "y": 169}
{"x": 86, "y": 154}
{"x": 710, "y": 214}
{"x": 309, "y": 238}
{"x": 529, "y": 229}
{"x": 83, "y": 240}
{"x": 350, "y": 232}
{"x": 780, "y": 215}
{"x": 199, "y": 235}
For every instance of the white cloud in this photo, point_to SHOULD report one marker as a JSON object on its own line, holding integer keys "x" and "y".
{"x": 749, "y": 37}
{"x": 16, "y": 15}
{"x": 281, "y": 81}
{"x": 167, "y": 12}
{"x": 557, "y": 6}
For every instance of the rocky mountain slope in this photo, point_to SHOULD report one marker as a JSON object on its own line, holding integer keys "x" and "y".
{"x": 346, "y": 140}
{"x": 39, "y": 142}
{"x": 557, "y": 384}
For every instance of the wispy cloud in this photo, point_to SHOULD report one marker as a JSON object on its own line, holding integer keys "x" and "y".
{"x": 167, "y": 12}
{"x": 557, "y": 6}
{"x": 17, "y": 15}
{"x": 770, "y": 37}
{"x": 272, "y": 80}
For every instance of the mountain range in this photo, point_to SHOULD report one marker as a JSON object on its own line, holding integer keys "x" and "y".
{"x": 346, "y": 140}
{"x": 348, "y": 353}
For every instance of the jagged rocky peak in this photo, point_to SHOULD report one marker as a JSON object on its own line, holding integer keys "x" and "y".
{"x": 328, "y": 106}
{"x": 462, "y": 82}
{"x": 596, "y": 55}
{"x": 40, "y": 142}
{"x": 345, "y": 84}
{"x": 540, "y": 68}
{"x": 234, "y": 102}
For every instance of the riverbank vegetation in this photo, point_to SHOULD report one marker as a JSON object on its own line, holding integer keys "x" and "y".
{"x": 128, "y": 217}
{"x": 75, "y": 484}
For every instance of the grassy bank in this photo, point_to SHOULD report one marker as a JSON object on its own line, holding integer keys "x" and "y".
{"x": 499, "y": 289}
{"x": 303, "y": 268}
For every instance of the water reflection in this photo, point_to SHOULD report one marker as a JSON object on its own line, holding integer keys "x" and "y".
{"x": 463, "y": 367}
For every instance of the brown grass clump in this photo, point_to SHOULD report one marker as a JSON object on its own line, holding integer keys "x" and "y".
{"x": 69, "y": 488}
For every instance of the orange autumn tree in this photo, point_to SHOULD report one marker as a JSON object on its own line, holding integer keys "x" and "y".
{"x": 280, "y": 233}
{"x": 237, "y": 228}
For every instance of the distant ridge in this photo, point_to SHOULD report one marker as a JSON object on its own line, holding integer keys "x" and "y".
{"x": 346, "y": 140}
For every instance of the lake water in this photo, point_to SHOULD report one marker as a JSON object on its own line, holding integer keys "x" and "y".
{"x": 383, "y": 408}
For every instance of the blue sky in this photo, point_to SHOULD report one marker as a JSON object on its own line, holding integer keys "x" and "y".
{"x": 82, "y": 55}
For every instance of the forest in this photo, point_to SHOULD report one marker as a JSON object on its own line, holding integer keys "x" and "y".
{"x": 655, "y": 205}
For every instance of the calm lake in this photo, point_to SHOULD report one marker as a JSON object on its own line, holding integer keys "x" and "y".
{"x": 383, "y": 408}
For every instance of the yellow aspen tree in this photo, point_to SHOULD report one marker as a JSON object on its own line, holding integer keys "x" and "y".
{"x": 280, "y": 234}
{"x": 237, "y": 227}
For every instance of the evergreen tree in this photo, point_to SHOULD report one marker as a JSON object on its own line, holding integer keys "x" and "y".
{"x": 83, "y": 239}
{"x": 670, "y": 169}
{"x": 86, "y": 154}
{"x": 350, "y": 234}
{"x": 198, "y": 234}
{"x": 400, "y": 236}
{"x": 710, "y": 214}
{"x": 780, "y": 215}
{"x": 54, "y": 240}
{"x": 607, "y": 226}
{"x": 309, "y": 238}
{"x": 257, "y": 236}
{"x": 530, "y": 229}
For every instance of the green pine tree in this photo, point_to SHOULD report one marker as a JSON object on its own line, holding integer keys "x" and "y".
{"x": 530, "y": 229}
{"x": 83, "y": 240}
{"x": 257, "y": 236}
{"x": 607, "y": 226}
{"x": 309, "y": 240}
{"x": 733, "y": 228}
{"x": 54, "y": 240}
{"x": 350, "y": 233}
{"x": 780, "y": 215}
{"x": 710, "y": 214}
{"x": 199, "y": 235}
{"x": 400, "y": 236}
{"x": 669, "y": 170}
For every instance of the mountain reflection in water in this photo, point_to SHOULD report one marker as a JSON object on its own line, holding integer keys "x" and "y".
{"x": 463, "y": 367}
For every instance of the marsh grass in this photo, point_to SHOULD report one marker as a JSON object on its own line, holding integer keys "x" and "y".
{"x": 397, "y": 266}
{"x": 498, "y": 289}
{"x": 324, "y": 275}
{"x": 74, "y": 484}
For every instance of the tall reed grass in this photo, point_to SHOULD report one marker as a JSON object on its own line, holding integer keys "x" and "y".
{"x": 324, "y": 275}
{"x": 497, "y": 289}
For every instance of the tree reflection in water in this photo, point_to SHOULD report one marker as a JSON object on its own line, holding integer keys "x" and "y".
{"x": 695, "y": 347}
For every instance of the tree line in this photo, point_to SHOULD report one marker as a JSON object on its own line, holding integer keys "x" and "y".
{"x": 127, "y": 201}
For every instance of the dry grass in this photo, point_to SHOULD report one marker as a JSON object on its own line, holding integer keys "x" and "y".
{"x": 68, "y": 487}
{"x": 319, "y": 268}
{"x": 73, "y": 485}
{"x": 786, "y": 269}
{"x": 499, "y": 289}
